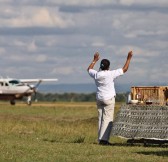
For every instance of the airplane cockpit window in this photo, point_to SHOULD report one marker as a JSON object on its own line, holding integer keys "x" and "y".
{"x": 6, "y": 84}
{"x": 14, "y": 82}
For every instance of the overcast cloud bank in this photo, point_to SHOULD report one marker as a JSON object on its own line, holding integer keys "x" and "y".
{"x": 57, "y": 38}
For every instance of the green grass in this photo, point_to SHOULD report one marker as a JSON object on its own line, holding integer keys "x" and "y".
{"x": 63, "y": 132}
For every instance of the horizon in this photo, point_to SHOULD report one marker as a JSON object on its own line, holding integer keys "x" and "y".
{"x": 88, "y": 87}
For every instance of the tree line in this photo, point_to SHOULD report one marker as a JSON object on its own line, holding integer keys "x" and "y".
{"x": 74, "y": 97}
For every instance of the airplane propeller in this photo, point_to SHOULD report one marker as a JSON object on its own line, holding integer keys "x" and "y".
{"x": 34, "y": 88}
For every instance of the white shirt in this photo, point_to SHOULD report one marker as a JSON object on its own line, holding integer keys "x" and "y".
{"x": 105, "y": 82}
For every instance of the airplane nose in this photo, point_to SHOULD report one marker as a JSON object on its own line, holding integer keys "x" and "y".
{"x": 32, "y": 86}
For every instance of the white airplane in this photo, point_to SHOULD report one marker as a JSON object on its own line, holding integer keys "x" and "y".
{"x": 15, "y": 89}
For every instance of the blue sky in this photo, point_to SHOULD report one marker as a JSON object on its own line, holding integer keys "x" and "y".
{"x": 57, "y": 38}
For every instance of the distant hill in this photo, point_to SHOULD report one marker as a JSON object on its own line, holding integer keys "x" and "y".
{"x": 76, "y": 88}
{"x": 67, "y": 88}
{"x": 88, "y": 88}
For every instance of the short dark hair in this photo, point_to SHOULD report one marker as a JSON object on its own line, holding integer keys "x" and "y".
{"x": 104, "y": 64}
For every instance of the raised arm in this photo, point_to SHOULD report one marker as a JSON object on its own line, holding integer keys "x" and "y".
{"x": 126, "y": 66}
{"x": 95, "y": 59}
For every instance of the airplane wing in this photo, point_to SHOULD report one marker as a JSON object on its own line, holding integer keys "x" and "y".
{"x": 37, "y": 80}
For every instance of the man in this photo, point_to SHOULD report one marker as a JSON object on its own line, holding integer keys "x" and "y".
{"x": 105, "y": 95}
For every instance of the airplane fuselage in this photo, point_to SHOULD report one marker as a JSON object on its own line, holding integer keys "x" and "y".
{"x": 13, "y": 89}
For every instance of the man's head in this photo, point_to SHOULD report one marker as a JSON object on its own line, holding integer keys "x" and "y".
{"x": 104, "y": 64}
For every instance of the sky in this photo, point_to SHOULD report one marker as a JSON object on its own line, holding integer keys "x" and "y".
{"x": 58, "y": 38}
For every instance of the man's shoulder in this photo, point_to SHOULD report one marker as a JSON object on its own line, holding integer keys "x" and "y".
{"x": 117, "y": 70}
{"x": 92, "y": 71}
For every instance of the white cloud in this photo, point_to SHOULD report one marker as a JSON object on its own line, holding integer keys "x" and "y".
{"x": 159, "y": 44}
{"x": 32, "y": 46}
{"x": 43, "y": 17}
{"x": 10, "y": 71}
{"x": 126, "y": 2}
{"x": 16, "y": 58}
{"x": 39, "y": 16}
{"x": 144, "y": 2}
{"x": 19, "y": 43}
{"x": 139, "y": 53}
{"x": 158, "y": 74}
{"x": 5, "y": 1}
{"x": 87, "y": 2}
{"x": 79, "y": 2}
{"x": 98, "y": 44}
{"x": 2, "y": 51}
{"x": 100, "y": 2}
{"x": 63, "y": 70}
{"x": 29, "y": 46}
{"x": 41, "y": 58}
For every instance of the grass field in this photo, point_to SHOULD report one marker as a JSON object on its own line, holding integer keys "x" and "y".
{"x": 63, "y": 132}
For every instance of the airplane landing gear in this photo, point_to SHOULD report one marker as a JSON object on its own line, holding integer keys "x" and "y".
{"x": 29, "y": 100}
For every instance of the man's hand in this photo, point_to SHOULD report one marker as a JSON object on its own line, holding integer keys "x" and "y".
{"x": 95, "y": 59}
{"x": 130, "y": 53}
{"x": 126, "y": 66}
{"x": 96, "y": 56}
